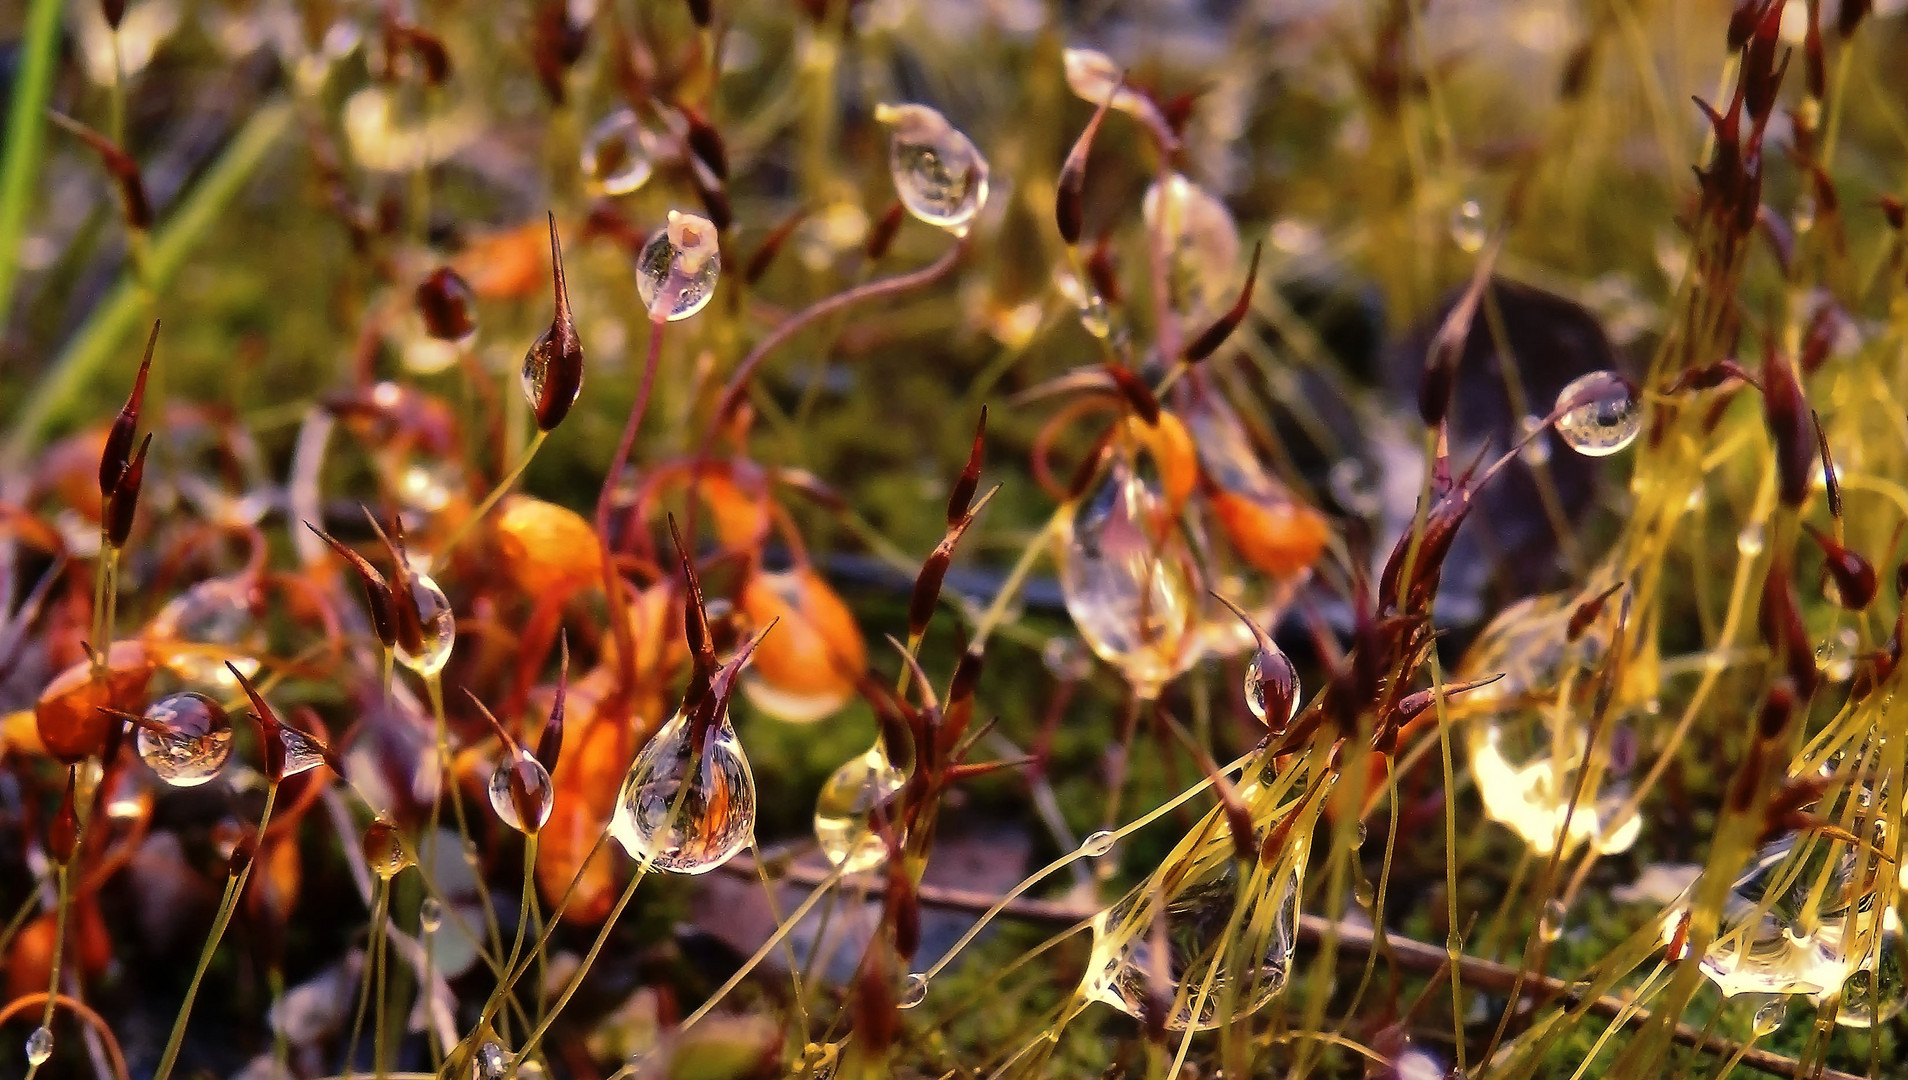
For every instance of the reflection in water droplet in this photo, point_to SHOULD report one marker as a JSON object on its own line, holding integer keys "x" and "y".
{"x": 1202, "y": 244}
{"x": 1097, "y": 844}
{"x": 196, "y": 743}
{"x": 491, "y": 1062}
{"x": 913, "y": 991}
{"x": 1750, "y": 540}
{"x": 428, "y": 649}
{"x": 939, "y": 175}
{"x": 1770, "y": 1016}
{"x": 1130, "y": 582}
{"x": 39, "y": 1046}
{"x": 1600, "y": 414}
{"x": 384, "y": 850}
{"x": 1222, "y": 940}
{"x": 1878, "y": 989}
{"x": 430, "y": 915}
{"x": 520, "y": 792}
{"x": 677, "y": 270}
{"x": 617, "y": 155}
{"x": 844, "y": 811}
{"x": 302, "y": 752}
{"x": 683, "y": 812}
{"x": 1551, "y": 923}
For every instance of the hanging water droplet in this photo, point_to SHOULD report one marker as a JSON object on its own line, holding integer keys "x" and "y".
{"x": 1770, "y": 1016}
{"x": 1467, "y": 226}
{"x": 1551, "y": 923}
{"x": 1750, "y": 540}
{"x": 1202, "y": 242}
{"x": 1358, "y": 836}
{"x": 428, "y": 649}
{"x": 302, "y": 752}
{"x": 1835, "y": 658}
{"x": 520, "y": 792}
{"x": 1599, "y": 414}
{"x": 1272, "y": 686}
{"x": 1878, "y": 989}
{"x": 491, "y": 1062}
{"x": 1129, "y": 580}
{"x": 1537, "y": 450}
{"x": 913, "y": 991}
{"x": 205, "y": 626}
{"x": 677, "y": 270}
{"x": 1195, "y": 896}
{"x": 685, "y": 812}
{"x": 196, "y": 741}
{"x": 1098, "y": 844}
{"x": 430, "y": 915}
{"x": 939, "y": 175}
{"x": 845, "y": 808}
{"x": 1795, "y": 922}
{"x": 39, "y": 1046}
{"x": 617, "y": 155}
{"x": 384, "y": 850}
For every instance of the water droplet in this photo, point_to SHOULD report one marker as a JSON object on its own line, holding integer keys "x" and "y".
{"x": 1770, "y": 1016}
{"x": 1551, "y": 923}
{"x": 430, "y": 915}
{"x": 1129, "y": 580}
{"x": 39, "y": 1046}
{"x": 424, "y": 645}
{"x": 939, "y": 175}
{"x": 520, "y": 792}
{"x": 384, "y": 850}
{"x": 677, "y": 270}
{"x": 1600, "y": 414}
{"x": 1193, "y": 898}
{"x": 1098, "y": 844}
{"x": 845, "y": 808}
{"x": 1363, "y": 894}
{"x": 196, "y": 741}
{"x": 1467, "y": 227}
{"x": 1795, "y": 921}
{"x": 302, "y": 752}
{"x": 1749, "y": 541}
{"x": 1537, "y": 450}
{"x": 1203, "y": 244}
{"x": 1066, "y": 658}
{"x": 683, "y": 812}
{"x": 617, "y": 155}
{"x": 1358, "y": 836}
{"x": 491, "y": 1062}
{"x": 1878, "y": 989}
{"x": 1836, "y": 658}
{"x": 1272, "y": 685}
{"x": 913, "y": 991}
{"x": 203, "y": 627}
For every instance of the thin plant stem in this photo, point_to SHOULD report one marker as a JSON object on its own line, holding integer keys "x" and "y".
{"x": 612, "y": 589}
{"x": 26, "y": 136}
{"x": 59, "y": 942}
{"x": 434, "y": 685}
{"x": 234, "y": 888}
{"x": 503, "y": 487}
{"x": 381, "y": 1022}
{"x": 380, "y": 893}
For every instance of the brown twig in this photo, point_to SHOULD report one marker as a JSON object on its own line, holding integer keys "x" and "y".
{"x": 1411, "y": 955}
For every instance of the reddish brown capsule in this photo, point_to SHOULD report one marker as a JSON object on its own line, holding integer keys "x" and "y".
{"x": 1069, "y": 202}
{"x": 379, "y": 601}
{"x": 1742, "y": 23}
{"x": 1761, "y": 76}
{"x": 67, "y": 714}
{"x": 1101, "y": 271}
{"x": 288, "y": 751}
{"x": 447, "y": 305}
{"x": 962, "y": 496}
{"x": 705, "y": 142}
{"x": 927, "y": 583}
{"x": 702, "y": 11}
{"x": 1852, "y": 575}
{"x": 553, "y": 368}
{"x": 550, "y": 742}
{"x": 114, "y": 12}
{"x": 1788, "y": 418}
{"x": 117, "y": 456}
{"x": 1213, "y": 336}
{"x": 121, "y": 167}
{"x": 1781, "y": 626}
{"x": 1895, "y": 212}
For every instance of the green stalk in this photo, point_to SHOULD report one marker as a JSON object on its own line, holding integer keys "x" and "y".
{"x": 26, "y": 134}
{"x": 234, "y": 888}
{"x": 125, "y": 307}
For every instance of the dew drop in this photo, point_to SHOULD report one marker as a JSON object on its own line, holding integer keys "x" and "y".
{"x": 430, "y": 915}
{"x": 1272, "y": 688}
{"x": 913, "y": 991}
{"x": 939, "y": 175}
{"x": 302, "y": 752}
{"x": 683, "y": 812}
{"x": 39, "y": 1046}
{"x": 196, "y": 741}
{"x": 1598, "y": 414}
{"x": 1550, "y": 924}
{"x": 384, "y": 850}
{"x": 677, "y": 270}
{"x": 1537, "y": 450}
{"x": 844, "y": 811}
{"x": 1770, "y": 1016}
{"x": 1098, "y": 843}
{"x": 203, "y": 627}
{"x": 617, "y": 155}
{"x": 428, "y": 650}
{"x": 491, "y": 1062}
{"x": 1467, "y": 226}
{"x": 1749, "y": 541}
{"x": 520, "y": 792}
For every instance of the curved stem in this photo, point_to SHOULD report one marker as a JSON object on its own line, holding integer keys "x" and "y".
{"x": 79, "y": 1009}
{"x": 234, "y": 888}
{"x": 504, "y": 485}
{"x": 381, "y": 887}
